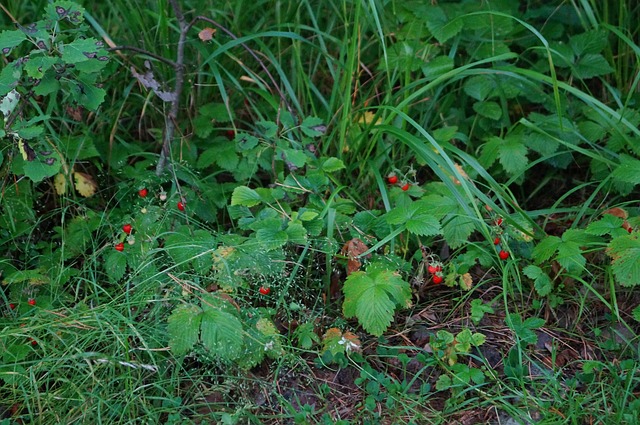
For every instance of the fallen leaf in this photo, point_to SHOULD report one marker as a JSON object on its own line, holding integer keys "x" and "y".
{"x": 84, "y": 183}
{"x": 60, "y": 184}
{"x": 207, "y": 34}
{"x": 352, "y": 250}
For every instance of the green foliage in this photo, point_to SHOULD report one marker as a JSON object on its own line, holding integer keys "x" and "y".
{"x": 525, "y": 329}
{"x": 372, "y": 296}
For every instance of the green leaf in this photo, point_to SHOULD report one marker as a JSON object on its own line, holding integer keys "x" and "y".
{"x": 115, "y": 265}
{"x": 246, "y": 141}
{"x": 222, "y": 154}
{"x": 80, "y": 50}
{"x": 436, "y": 67}
{"x": 542, "y": 282}
{"x": 331, "y": 165}
{"x": 636, "y": 313}
{"x": 488, "y": 109}
{"x": 313, "y": 126}
{"x": 221, "y": 333}
{"x": 625, "y": 259}
{"x": 478, "y": 310}
{"x": 417, "y": 219}
{"x": 184, "y": 328}
{"x": 457, "y": 230}
{"x": 525, "y": 329}
{"x": 272, "y": 238}
{"x": 591, "y": 65}
{"x": 85, "y": 92}
{"x": 513, "y": 155}
{"x": 191, "y": 248}
{"x": 372, "y": 297}
{"x": 38, "y": 65}
{"x": 546, "y": 248}
{"x": 589, "y": 42}
{"x": 570, "y": 256}
{"x": 442, "y": 27}
{"x": 628, "y": 171}
{"x": 9, "y": 77}
{"x": 245, "y": 196}
{"x": 10, "y": 39}
{"x": 480, "y": 87}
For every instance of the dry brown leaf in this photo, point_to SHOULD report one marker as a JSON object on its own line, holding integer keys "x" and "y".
{"x": 352, "y": 250}
{"x": 85, "y": 185}
{"x": 466, "y": 281}
{"x": 617, "y": 212}
{"x": 207, "y": 34}
{"x": 75, "y": 113}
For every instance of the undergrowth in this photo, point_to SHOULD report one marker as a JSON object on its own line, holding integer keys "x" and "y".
{"x": 319, "y": 212}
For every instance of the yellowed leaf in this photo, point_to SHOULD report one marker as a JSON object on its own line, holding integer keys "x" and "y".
{"x": 207, "y": 34}
{"x": 466, "y": 281}
{"x": 367, "y": 118}
{"x": 84, "y": 183}
{"x": 60, "y": 184}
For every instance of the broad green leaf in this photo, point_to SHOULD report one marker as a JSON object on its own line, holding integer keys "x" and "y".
{"x": 313, "y": 126}
{"x": 86, "y": 93}
{"x": 184, "y": 328}
{"x": 513, "y": 155}
{"x": 417, "y": 219}
{"x": 541, "y": 281}
{"x": 628, "y": 171}
{"x": 589, "y": 42}
{"x": 488, "y": 109}
{"x": 191, "y": 248}
{"x": 115, "y": 265}
{"x": 33, "y": 277}
{"x": 331, "y": 165}
{"x": 442, "y": 27}
{"x": 478, "y": 310}
{"x": 10, "y": 39}
{"x": 436, "y": 67}
{"x": 607, "y": 224}
{"x": 245, "y": 196}
{"x": 375, "y": 310}
{"x": 525, "y": 329}
{"x": 38, "y": 65}
{"x": 9, "y": 77}
{"x": 222, "y": 334}
{"x": 591, "y": 65}
{"x": 546, "y": 248}
{"x": 245, "y": 142}
{"x": 625, "y": 259}
{"x": 223, "y": 154}
{"x": 570, "y": 256}
{"x": 480, "y": 87}
{"x": 272, "y": 238}
{"x": 456, "y": 231}
{"x": 490, "y": 151}
{"x": 80, "y": 50}
{"x": 296, "y": 233}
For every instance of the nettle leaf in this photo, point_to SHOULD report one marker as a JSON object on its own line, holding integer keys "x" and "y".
{"x": 373, "y": 295}
{"x": 10, "y": 39}
{"x": 541, "y": 281}
{"x": 512, "y": 154}
{"x": 625, "y": 259}
{"x": 184, "y": 328}
{"x": 245, "y": 196}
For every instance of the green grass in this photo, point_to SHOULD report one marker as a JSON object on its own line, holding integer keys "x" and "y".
{"x": 487, "y": 111}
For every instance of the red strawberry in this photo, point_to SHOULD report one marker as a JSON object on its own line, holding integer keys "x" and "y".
{"x": 127, "y": 229}
{"x": 143, "y": 192}
{"x": 119, "y": 247}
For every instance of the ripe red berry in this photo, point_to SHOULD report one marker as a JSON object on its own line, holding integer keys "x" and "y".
{"x": 180, "y": 206}
{"x": 503, "y": 254}
{"x": 32, "y": 301}
{"x": 12, "y": 306}
{"x": 432, "y": 269}
{"x": 405, "y": 187}
{"x": 231, "y": 134}
{"x": 630, "y": 230}
{"x": 496, "y": 241}
{"x": 127, "y": 229}
{"x": 119, "y": 247}
{"x": 33, "y": 341}
{"x": 499, "y": 221}
{"x": 143, "y": 192}
{"x": 392, "y": 179}
{"x": 437, "y": 279}
{"x": 265, "y": 291}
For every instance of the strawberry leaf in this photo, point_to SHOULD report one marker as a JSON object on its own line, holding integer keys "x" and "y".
{"x": 625, "y": 259}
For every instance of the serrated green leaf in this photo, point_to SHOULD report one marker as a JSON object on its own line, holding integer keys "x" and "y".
{"x": 39, "y": 65}
{"x": 423, "y": 224}
{"x": 222, "y": 334}
{"x": 488, "y": 109}
{"x": 478, "y": 310}
{"x": 85, "y": 92}
{"x": 245, "y": 196}
{"x": 546, "y": 248}
{"x": 245, "y": 142}
{"x": 115, "y": 265}
{"x": 570, "y": 256}
{"x": 272, "y": 238}
{"x": 296, "y": 233}
{"x": 636, "y": 313}
{"x": 442, "y": 27}
{"x": 525, "y": 329}
{"x": 183, "y": 328}
{"x": 480, "y": 87}
{"x": 589, "y": 42}
{"x": 9, "y": 77}
{"x": 10, "y": 39}
{"x": 607, "y": 224}
{"x": 375, "y": 310}
{"x": 625, "y": 259}
{"x": 191, "y": 248}
{"x": 436, "y": 67}
{"x": 591, "y": 65}
{"x": 512, "y": 154}
{"x": 313, "y": 126}
{"x": 80, "y": 50}
{"x": 542, "y": 282}
{"x": 628, "y": 171}
{"x": 456, "y": 231}
{"x": 331, "y": 165}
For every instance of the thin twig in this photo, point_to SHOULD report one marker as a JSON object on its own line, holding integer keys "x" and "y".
{"x": 172, "y": 117}
{"x": 144, "y": 52}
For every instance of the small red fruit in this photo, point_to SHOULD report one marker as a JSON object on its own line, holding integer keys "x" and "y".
{"x": 437, "y": 279}
{"x": 630, "y": 230}
{"x": 392, "y": 179}
{"x": 143, "y": 192}
{"x": 119, "y": 247}
{"x": 127, "y": 229}
{"x": 180, "y": 206}
{"x": 31, "y": 301}
{"x": 405, "y": 187}
{"x": 496, "y": 241}
{"x": 499, "y": 221}
{"x": 265, "y": 291}
{"x": 231, "y": 134}
{"x": 34, "y": 342}
{"x": 503, "y": 254}
{"x": 12, "y": 306}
